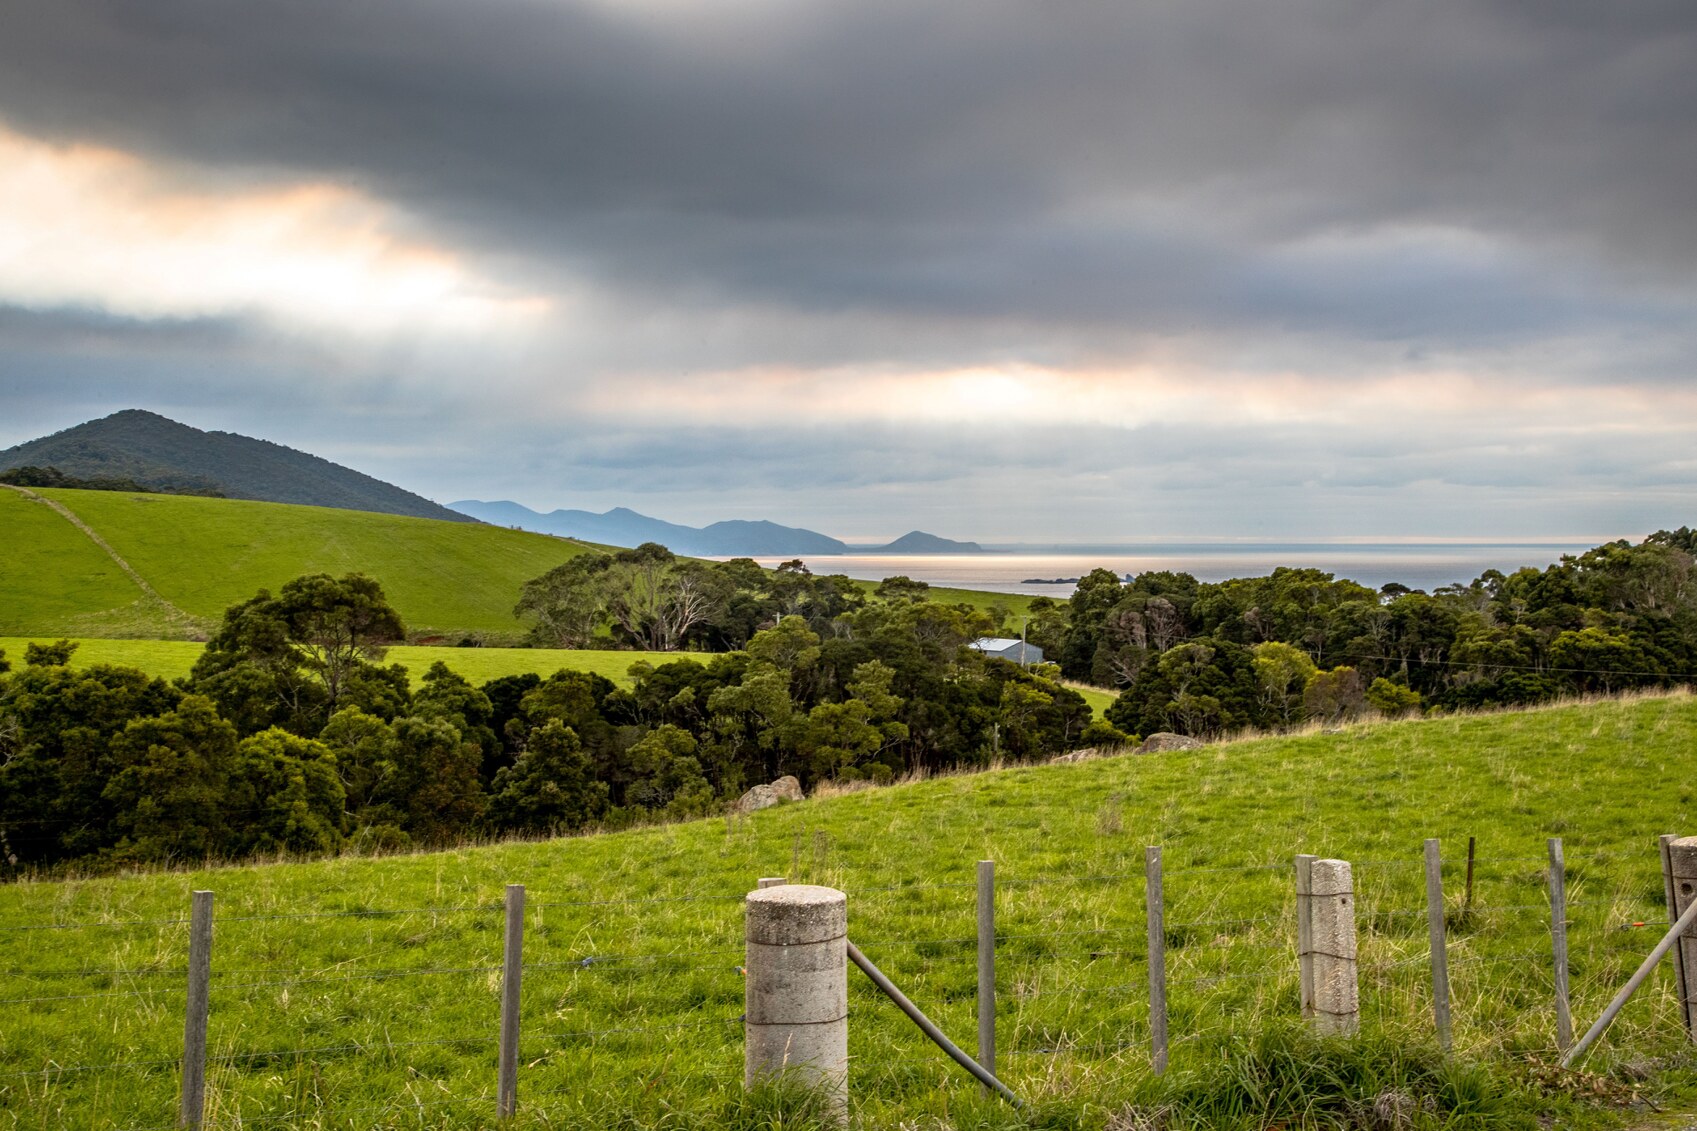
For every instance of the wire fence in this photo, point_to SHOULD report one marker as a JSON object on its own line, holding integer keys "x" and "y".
{"x": 364, "y": 1004}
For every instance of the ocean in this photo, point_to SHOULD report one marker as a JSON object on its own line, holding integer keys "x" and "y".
{"x": 1051, "y": 571}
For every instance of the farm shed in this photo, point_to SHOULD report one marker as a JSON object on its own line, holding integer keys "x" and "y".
{"x": 1016, "y": 650}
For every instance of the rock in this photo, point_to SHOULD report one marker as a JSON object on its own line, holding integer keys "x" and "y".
{"x": 786, "y": 788}
{"x": 1163, "y": 741}
{"x": 1088, "y": 754}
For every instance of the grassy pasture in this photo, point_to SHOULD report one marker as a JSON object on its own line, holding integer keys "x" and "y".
{"x": 171, "y": 659}
{"x": 384, "y": 968}
{"x": 204, "y": 555}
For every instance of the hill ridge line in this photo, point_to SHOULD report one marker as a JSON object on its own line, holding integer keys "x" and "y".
{"x": 182, "y": 616}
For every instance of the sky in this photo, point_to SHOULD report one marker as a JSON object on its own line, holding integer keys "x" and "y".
{"x": 1039, "y": 270}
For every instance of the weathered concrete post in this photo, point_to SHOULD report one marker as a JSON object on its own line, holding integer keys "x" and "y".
{"x": 1682, "y": 870}
{"x": 1331, "y": 941}
{"x": 797, "y": 991}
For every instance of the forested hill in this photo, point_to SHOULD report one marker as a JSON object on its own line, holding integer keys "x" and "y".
{"x": 164, "y": 455}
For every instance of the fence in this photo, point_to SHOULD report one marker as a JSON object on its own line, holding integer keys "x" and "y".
{"x": 348, "y": 1017}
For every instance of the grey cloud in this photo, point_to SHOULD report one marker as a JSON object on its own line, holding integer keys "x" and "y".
{"x": 1001, "y": 160}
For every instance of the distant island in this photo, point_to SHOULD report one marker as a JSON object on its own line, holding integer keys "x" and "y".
{"x": 622, "y": 526}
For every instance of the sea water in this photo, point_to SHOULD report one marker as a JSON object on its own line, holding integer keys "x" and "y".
{"x": 1052, "y": 571}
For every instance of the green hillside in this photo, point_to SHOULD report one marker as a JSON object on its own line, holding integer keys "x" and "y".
{"x": 54, "y": 580}
{"x": 362, "y": 992}
{"x": 203, "y": 555}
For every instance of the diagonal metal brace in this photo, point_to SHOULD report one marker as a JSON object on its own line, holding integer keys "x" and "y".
{"x": 927, "y": 1027}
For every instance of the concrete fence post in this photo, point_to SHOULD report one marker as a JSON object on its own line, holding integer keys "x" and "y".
{"x": 796, "y": 1018}
{"x": 1682, "y": 870}
{"x": 1305, "y": 929}
{"x": 1332, "y": 951}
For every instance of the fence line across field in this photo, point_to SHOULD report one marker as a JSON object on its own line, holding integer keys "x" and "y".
{"x": 1327, "y": 969}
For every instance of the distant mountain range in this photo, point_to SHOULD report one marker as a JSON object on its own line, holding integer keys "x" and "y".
{"x": 624, "y": 527}
{"x": 143, "y": 448}
{"x": 164, "y": 455}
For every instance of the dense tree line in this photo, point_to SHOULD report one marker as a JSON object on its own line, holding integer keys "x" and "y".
{"x": 291, "y": 735}
{"x": 1301, "y": 645}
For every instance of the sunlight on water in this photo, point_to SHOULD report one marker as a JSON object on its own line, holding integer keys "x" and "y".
{"x": 1420, "y": 566}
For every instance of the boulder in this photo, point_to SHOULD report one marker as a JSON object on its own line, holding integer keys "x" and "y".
{"x": 786, "y": 788}
{"x": 1166, "y": 740}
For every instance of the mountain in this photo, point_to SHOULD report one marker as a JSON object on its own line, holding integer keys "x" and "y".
{"x": 160, "y": 453}
{"x": 919, "y": 542}
{"x": 624, "y": 527}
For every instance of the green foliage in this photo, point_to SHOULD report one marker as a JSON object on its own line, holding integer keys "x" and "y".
{"x": 1392, "y": 699}
{"x": 294, "y": 659}
{"x": 550, "y": 789}
{"x": 284, "y": 795}
{"x": 28, "y": 476}
{"x": 168, "y": 784}
{"x": 57, "y": 654}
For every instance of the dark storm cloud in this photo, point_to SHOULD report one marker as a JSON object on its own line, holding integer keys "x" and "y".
{"x": 1162, "y": 166}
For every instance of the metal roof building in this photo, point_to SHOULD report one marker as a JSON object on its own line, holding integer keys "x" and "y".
{"x": 1016, "y": 650}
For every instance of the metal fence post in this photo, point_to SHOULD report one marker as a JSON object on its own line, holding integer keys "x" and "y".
{"x": 1154, "y": 901}
{"x": 1558, "y": 943}
{"x": 1337, "y": 995}
{"x": 1435, "y": 932}
{"x": 987, "y": 967}
{"x": 796, "y": 1005}
{"x": 1305, "y": 929}
{"x": 193, "y": 1106}
{"x": 1664, "y": 844}
{"x": 512, "y": 973}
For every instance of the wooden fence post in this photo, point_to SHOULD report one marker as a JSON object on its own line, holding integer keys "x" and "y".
{"x": 1558, "y": 943}
{"x": 765, "y": 882}
{"x": 1435, "y": 931}
{"x": 987, "y": 967}
{"x": 193, "y": 1106}
{"x": 1305, "y": 929}
{"x": 1682, "y": 857}
{"x": 1154, "y": 900}
{"x": 1664, "y": 844}
{"x": 512, "y": 973}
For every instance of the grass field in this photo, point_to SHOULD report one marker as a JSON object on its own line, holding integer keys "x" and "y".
{"x": 358, "y": 992}
{"x": 203, "y": 555}
{"x": 171, "y": 659}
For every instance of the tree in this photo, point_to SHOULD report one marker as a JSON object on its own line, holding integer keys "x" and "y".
{"x": 567, "y": 605}
{"x": 1283, "y": 673}
{"x": 1392, "y": 698}
{"x": 550, "y": 788}
{"x": 1335, "y": 695}
{"x": 169, "y": 781}
{"x": 671, "y": 775}
{"x": 55, "y": 655}
{"x": 338, "y": 624}
{"x": 284, "y": 796}
{"x": 433, "y": 789}
{"x": 296, "y": 658}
